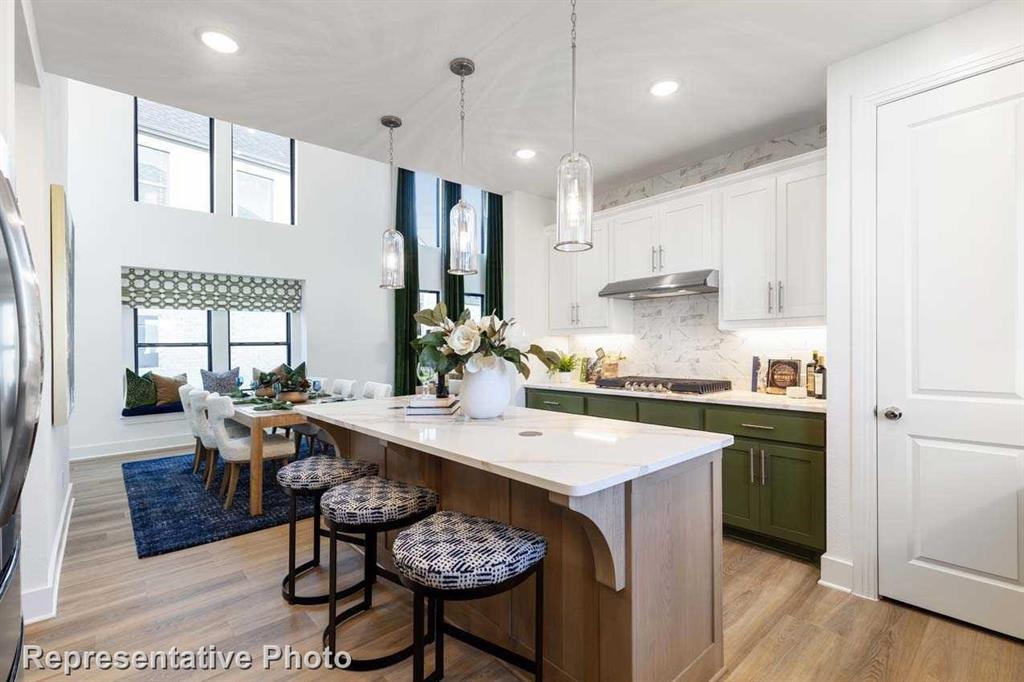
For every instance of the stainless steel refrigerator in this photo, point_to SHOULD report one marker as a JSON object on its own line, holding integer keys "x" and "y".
{"x": 21, "y": 373}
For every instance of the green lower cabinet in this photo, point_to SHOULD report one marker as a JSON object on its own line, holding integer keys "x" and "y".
{"x": 671, "y": 413}
{"x": 741, "y": 495}
{"x": 612, "y": 408}
{"x": 793, "y": 494}
{"x": 555, "y": 401}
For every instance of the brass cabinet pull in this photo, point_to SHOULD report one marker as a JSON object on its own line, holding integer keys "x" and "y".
{"x": 751, "y": 464}
{"x": 764, "y": 470}
{"x": 758, "y": 426}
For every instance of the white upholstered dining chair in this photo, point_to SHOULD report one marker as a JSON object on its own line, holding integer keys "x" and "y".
{"x": 236, "y": 451}
{"x": 344, "y": 388}
{"x": 184, "y": 392}
{"x": 376, "y": 391}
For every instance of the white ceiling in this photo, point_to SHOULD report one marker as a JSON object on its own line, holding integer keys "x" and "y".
{"x": 323, "y": 71}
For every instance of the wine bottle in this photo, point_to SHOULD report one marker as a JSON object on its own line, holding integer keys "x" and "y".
{"x": 820, "y": 379}
{"x": 812, "y": 367}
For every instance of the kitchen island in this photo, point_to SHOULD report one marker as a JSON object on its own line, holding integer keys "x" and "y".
{"x": 631, "y": 512}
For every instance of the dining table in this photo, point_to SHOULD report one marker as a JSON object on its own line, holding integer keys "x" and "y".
{"x": 257, "y": 420}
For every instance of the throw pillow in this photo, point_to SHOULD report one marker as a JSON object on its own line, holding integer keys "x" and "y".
{"x": 167, "y": 388}
{"x": 224, "y": 383}
{"x": 139, "y": 391}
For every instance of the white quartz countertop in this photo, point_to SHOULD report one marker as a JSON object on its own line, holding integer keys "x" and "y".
{"x": 574, "y": 455}
{"x": 739, "y": 398}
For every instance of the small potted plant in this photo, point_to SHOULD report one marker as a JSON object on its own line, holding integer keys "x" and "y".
{"x": 562, "y": 370}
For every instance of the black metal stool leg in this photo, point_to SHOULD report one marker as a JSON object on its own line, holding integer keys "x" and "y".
{"x": 332, "y": 600}
{"x": 316, "y": 529}
{"x": 294, "y": 572}
{"x": 417, "y": 637}
{"x": 438, "y": 639}
{"x": 369, "y": 569}
{"x": 291, "y": 543}
{"x": 538, "y": 627}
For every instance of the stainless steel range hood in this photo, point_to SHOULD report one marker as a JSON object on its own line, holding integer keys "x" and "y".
{"x": 663, "y": 286}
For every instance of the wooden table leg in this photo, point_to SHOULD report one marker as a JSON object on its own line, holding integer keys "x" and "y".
{"x": 256, "y": 470}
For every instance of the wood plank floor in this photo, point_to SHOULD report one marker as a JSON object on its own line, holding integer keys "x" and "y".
{"x": 779, "y": 623}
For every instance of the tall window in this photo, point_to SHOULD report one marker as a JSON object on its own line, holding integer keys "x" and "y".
{"x": 172, "y": 342}
{"x": 262, "y": 172}
{"x": 475, "y": 303}
{"x": 173, "y": 157}
{"x": 258, "y": 339}
{"x": 428, "y": 299}
{"x": 428, "y": 202}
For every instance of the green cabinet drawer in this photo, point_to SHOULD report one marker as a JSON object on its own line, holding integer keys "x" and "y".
{"x": 671, "y": 413}
{"x": 805, "y": 429}
{"x": 555, "y": 401}
{"x": 741, "y": 495}
{"x": 612, "y": 408}
{"x": 793, "y": 494}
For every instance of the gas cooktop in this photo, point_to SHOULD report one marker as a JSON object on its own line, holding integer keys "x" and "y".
{"x": 666, "y": 384}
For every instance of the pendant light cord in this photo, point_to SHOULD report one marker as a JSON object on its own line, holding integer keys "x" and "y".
{"x": 572, "y": 19}
{"x": 462, "y": 121}
{"x": 391, "y": 169}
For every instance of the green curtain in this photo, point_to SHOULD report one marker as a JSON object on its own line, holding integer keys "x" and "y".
{"x": 407, "y": 299}
{"x": 454, "y": 285}
{"x": 493, "y": 299}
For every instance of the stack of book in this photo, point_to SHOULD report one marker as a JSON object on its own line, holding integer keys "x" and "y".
{"x": 421, "y": 405}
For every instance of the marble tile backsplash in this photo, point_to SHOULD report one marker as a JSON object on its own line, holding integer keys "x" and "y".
{"x": 679, "y": 337}
{"x": 775, "y": 149}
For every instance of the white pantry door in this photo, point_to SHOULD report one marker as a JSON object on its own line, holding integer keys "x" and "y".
{"x": 950, "y": 191}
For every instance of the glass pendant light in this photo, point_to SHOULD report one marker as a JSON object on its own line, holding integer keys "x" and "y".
{"x": 462, "y": 224}
{"x": 574, "y": 195}
{"x": 392, "y": 247}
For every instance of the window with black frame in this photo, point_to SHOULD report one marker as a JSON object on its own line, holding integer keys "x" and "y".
{"x": 262, "y": 175}
{"x": 428, "y": 202}
{"x": 475, "y": 304}
{"x": 428, "y": 299}
{"x": 172, "y": 342}
{"x": 173, "y": 157}
{"x": 258, "y": 339}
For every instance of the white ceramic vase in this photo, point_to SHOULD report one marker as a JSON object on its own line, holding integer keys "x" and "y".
{"x": 487, "y": 389}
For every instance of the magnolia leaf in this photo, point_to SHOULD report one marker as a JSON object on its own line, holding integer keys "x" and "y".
{"x": 441, "y": 310}
{"x": 426, "y": 318}
{"x": 524, "y": 369}
{"x": 432, "y": 357}
{"x": 434, "y": 339}
{"x": 465, "y": 315}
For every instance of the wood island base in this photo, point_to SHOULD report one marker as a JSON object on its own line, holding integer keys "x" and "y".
{"x": 633, "y": 588}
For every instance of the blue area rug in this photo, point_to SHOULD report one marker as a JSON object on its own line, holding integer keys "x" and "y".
{"x": 171, "y": 510}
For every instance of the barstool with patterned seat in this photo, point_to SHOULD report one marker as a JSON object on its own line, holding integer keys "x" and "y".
{"x": 313, "y": 476}
{"x": 370, "y": 506}
{"x": 452, "y": 556}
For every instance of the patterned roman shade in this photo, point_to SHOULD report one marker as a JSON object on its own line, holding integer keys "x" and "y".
{"x": 181, "y": 289}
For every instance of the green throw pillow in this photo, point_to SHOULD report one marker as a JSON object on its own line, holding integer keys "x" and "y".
{"x": 140, "y": 391}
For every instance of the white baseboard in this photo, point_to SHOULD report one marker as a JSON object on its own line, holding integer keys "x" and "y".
{"x": 41, "y": 603}
{"x": 836, "y": 573}
{"x": 183, "y": 442}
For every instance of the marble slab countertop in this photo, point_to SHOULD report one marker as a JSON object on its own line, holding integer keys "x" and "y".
{"x": 739, "y": 398}
{"x": 572, "y": 455}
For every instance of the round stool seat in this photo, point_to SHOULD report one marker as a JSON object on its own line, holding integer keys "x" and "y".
{"x": 374, "y": 500}
{"x": 321, "y": 473}
{"x": 454, "y": 551}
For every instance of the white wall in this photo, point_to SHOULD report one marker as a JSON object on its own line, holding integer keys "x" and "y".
{"x": 341, "y": 212}
{"x": 982, "y": 38}
{"x": 6, "y": 84}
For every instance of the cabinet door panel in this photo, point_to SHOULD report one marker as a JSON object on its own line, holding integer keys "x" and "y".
{"x": 800, "y": 248}
{"x": 793, "y": 495}
{"x": 748, "y": 250}
{"x": 671, "y": 413}
{"x": 561, "y": 287}
{"x": 612, "y": 408}
{"x": 740, "y": 491}
{"x": 686, "y": 234}
{"x": 591, "y": 276}
{"x": 633, "y": 244}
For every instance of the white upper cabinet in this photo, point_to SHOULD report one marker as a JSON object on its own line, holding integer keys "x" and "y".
{"x": 686, "y": 234}
{"x": 670, "y": 236}
{"x": 773, "y": 249}
{"x": 800, "y": 251}
{"x": 747, "y": 285}
{"x": 574, "y": 280}
{"x": 634, "y": 240}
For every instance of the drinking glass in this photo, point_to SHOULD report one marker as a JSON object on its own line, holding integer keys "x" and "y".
{"x": 423, "y": 373}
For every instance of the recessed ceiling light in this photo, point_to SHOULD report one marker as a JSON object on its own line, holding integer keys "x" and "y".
{"x": 664, "y": 88}
{"x": 219, "y": 42}
{"x": 525, "y": 154}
